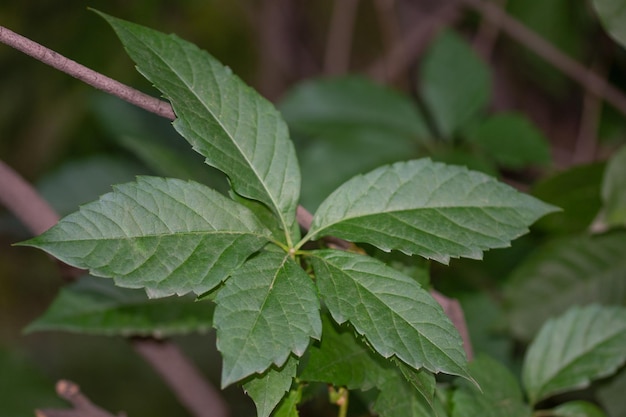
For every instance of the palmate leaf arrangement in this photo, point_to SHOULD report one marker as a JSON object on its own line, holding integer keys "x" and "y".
{"x": 274, "y": 290}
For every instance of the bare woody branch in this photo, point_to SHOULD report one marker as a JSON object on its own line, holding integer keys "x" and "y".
{"x": 89, "y": 76}
{"x": 83, "y": 407}
{"x": 577, "y": 72}
{"x": 339, "y": 39}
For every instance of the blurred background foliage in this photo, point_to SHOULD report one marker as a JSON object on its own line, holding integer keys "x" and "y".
{"x": 473, "y": 97}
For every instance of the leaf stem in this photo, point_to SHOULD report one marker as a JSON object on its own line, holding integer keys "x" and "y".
{"x": 340, "y": 398}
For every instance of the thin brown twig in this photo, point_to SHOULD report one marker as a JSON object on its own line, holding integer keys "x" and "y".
{"x": 388, "y": 22}
{"x": 339, "y": 40}
{"x": 35, "y": 213}
{"x": 89, "y": 76}
{"x": 577, "y": 72}
{"x": 83, "y": 407}
{"x": 408, "y": 48}
{"x": 586, "y": 142}
{"x": 487, "y": 35}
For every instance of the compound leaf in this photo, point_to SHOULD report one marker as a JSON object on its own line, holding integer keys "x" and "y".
{"x": 97, "y": 306}
{"x": 570, "y": 271}
{"x": 427, "y": 208}
{"x": 267, "y": 310}
{"x": 570, "y": 351}
{"x": 394, "y": 313}
{"x": 268, "y": 389}
{"x": 231, "y": 125}
{"x": 168, "y": 236}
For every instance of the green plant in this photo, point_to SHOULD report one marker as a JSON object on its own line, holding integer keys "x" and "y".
{"x": 275, "y": 291}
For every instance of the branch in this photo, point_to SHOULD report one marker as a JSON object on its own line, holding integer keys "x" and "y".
{"x": 91, "y": 77}
{"x": 339, "y": 40}
{"x": 586, "y": 78}
{"x": 83, "y": 407}
{"x": 22, "y": 200}
{"x": 183, "y": 378}
{"x": 405, "y": 52}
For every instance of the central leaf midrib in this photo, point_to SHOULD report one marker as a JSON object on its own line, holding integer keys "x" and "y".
{"x": 228, "y": 133}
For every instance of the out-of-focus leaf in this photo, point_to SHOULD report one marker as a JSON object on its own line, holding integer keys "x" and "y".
{"x": 427, "y": 208}
{"x": 267, "y": 310}
{"x": 566, "y": 272}
{"x": 334, "y": 105}
{"x": 153, "y": 141}
{"x": 577, "y": 409}
{"x": 471, "y": 160}
{"x": 455, "y": 83}
{"x": 512, "y": 140}
{"x": 328, "y": 161}
{"x": 612, "y": 14}
{"x": 341, "y": 360}
{"x": 486, "y": 326}
{"x": 397, "y": 316}
{"x": 168, "y": 236}
{"x": 570, "y": 351}
{"x": 231, "y": 125}
{"x": 79, "y": 182}
{"x": 577, "y": 192}
{"x": 499, "y": 394}
{"x": 268, "y": 389}
{"x": 614, "y": 187}
{"x": 399, "y": 398}
{"x": 611, "y": 395}
{"x": 97, "y": 306}
{"x": 23, "y": 387}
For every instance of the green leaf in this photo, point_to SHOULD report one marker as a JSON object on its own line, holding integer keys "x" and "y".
{"x": 611, "y": 395}
{"x": 289, "y": 404}
{"x": 23, "y": 386}
{"x": 268, "y": 389}
{"x": 231, "y": 125}
{"x": 612, "y": 14}
{"x": 168, "y": 236}
{"x": 499, "y": 394}
{"x": 155, "y": 143}
{"x": 577, "y": 409}
{"x": 81, "y": 181}
{"x": 427, "y": 208}
{"x": 392, "y": 311}
{"x": 577, "y": 192}
{"x": 398, "y": 398}
{"x": 455, "y": 83}
{"x": 512, "y": 140}
{"x": 331, "y": 159}
{"x": 96, "y": 306}
{"x": 614, "y": 189}
{"x": 331, "y": 105}
{"x": 570, "y": 351}
{"x": 342, "y": 360}
{"x": 562, "y": 273}
{"x": 267, "y": 310}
